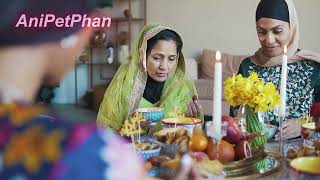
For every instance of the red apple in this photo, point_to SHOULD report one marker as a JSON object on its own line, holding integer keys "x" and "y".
{"x": 234, "y": 134}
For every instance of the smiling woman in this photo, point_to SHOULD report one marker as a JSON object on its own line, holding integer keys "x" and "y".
{"x": 277, "y": 26}
{"x": 152, "y": 76}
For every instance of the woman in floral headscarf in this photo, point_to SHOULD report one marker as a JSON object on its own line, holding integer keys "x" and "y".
{"x": 277, "y": 25}
{"x": 153, "y": 76}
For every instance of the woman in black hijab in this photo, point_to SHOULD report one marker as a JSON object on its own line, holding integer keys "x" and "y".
{"x": 277, "y": 26}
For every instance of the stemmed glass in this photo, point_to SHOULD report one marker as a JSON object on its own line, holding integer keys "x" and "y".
{"x": 281, "y": 121}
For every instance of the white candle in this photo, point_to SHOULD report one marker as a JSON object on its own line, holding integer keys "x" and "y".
{"x": 217, "y": 97}
{"x": 283, "y": 87}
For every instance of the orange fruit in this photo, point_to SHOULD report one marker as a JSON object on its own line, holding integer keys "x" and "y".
{"x": 198, "y": 143}
{"x": 224, "y": 152}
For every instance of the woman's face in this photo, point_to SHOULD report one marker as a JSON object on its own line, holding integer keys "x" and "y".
{"x": 273, "y": 36}
{"x": 162, "y": 59}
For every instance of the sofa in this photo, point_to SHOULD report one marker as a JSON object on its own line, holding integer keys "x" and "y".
{"x": 202, "y": 72}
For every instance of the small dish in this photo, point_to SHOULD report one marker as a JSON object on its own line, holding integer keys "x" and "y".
{"x": 305, "y": 168}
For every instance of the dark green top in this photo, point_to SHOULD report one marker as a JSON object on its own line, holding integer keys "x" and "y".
{"x": 303, "y": 84}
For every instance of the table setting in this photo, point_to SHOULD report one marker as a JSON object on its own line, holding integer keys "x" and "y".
{"x": 240, "y": 147}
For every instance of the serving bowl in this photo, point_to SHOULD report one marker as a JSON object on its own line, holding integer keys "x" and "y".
{"x": 153, "y": 114}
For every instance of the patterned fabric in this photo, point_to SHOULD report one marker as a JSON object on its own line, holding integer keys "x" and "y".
{"x": 303, "y": 84}
{"x": 37, "y": 144}
{"x": 124, "y": 94}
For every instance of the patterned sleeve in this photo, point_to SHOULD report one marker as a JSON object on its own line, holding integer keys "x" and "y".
{"x": 103, "y": 155}
{"x": 38, "y": 144}
{"x": 317, "y": 83}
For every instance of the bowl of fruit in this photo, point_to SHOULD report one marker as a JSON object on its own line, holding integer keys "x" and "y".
{"x": 234, "y": 150}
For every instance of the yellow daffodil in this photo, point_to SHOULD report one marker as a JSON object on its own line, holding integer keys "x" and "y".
{"x": 251, "y": 91}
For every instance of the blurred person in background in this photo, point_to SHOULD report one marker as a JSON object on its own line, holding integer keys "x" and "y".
{"x": 35, "y": 142}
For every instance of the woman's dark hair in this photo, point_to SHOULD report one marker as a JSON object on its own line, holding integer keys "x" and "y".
{"x": 165, "y": 35}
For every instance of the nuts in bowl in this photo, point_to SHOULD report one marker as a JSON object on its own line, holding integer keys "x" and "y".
{"x": 147, "y": 150}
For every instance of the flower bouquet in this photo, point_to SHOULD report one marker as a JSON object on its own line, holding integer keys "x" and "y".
{"x": 253, "y": 95}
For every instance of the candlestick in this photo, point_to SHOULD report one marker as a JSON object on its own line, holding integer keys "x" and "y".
{"x": 217, "y": 97}
{"x": 283, "y": 93}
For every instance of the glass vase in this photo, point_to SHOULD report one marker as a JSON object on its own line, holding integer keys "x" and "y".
{"x": 251, "y": 122}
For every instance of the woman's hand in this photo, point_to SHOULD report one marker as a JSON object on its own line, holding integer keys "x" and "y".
{"x": 187, "y": 170}
{"x": 291, "y": 129}
{"x": 194, "y": 108}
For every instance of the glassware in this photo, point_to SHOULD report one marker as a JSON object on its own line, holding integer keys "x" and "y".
{"x": 240, "y": 117}
{"x": 252, "y": 123}
{"x": 281, "y": 120}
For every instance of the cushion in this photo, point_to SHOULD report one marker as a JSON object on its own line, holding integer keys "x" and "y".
{"x": 207, "y": 107}
{"x": 230, "y": 64}
{"x": 191, "y": 68}
{"x": 204, "y": 88}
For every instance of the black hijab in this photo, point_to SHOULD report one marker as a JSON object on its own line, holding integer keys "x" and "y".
{"x": 152, "y": 91}
{"x": 275, "y": 9}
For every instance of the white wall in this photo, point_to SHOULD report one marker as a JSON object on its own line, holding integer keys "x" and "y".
{"x": 227, "y": 25}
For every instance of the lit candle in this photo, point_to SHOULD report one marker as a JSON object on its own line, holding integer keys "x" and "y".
{"x": 283, "y": 94}
{"x": 217, "y": 97}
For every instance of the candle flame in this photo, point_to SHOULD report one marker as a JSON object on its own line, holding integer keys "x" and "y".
{"x": 218, "y": 56}
{"x": 285, "y": 49}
